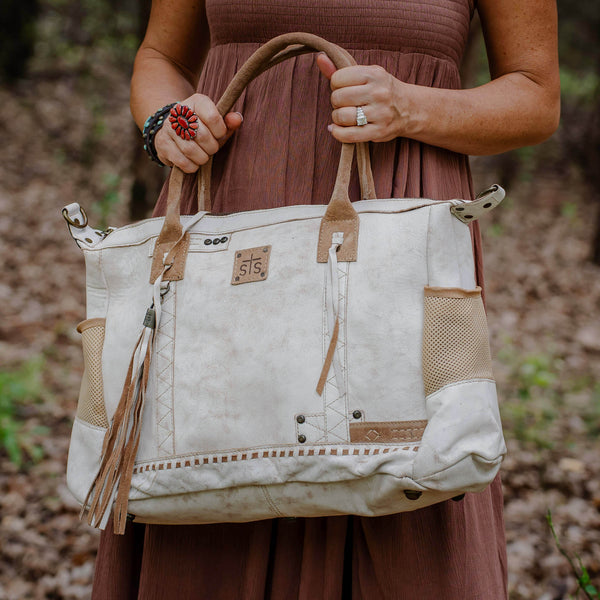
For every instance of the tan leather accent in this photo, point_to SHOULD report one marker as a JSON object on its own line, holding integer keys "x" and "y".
{"x": 174, "y": 463}
{"x": 455, "y": 338}
{"x": 251, "y": 264}
{"x": 90, "y": 405}
{"x": 120, "y": 449}
{"x": 340, "y": 215}
{"x": 448, "y": 292}
{"x": 328, "y": 358}
{"x": 348, "y": 251}
{"x": 176, "y": 256}
{"x": 169, "y": 239}
{"x": 96, "y": 322}
{"x": 387, "y": 431}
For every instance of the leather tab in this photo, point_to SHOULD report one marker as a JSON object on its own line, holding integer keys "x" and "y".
{"x": 175, "y": 254}
{"x": 348, "y": 251}
{"x": 485, "y": 202}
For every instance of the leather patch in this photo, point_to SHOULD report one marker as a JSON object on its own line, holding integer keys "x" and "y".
{"x": 348, "y": 250}
{"x": 387, "y": 431}
{"x": 175, "y": 273}
{"x": 251, "y": 264}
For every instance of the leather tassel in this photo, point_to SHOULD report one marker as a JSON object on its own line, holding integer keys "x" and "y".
{"x": 332, "y": 315}
{"x": 121, "y": 441}
{"x": 328, "y": 358}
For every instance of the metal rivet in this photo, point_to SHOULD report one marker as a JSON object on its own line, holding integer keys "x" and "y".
{"x": 302, "y": 439}
{"x": 412, "y": 494}
{"x": 216, "y": 241}
{"x": 207, "y": 242}
{"x": 300, "y": 418}
{"x": 265, "y": 249}
{"x": 458, "y": 498}
{"x": 237, "y": 278}
{"x": 357, "y": 414}
{"x": 468, "y": 216}
{"x": 262, "y": 274}
{"x": 487, "y": 205}
{"x": 460, "y": 208}
{"x": 239, "y": 255}
{"x": 223, "y": 240}
{"x": 89, "y": 240}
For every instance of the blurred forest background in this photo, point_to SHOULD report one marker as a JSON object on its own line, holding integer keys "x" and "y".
{"x": 68, "y": 136}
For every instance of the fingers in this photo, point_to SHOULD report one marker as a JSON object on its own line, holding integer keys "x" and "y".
{"x": 376, "y": 92}
{"x": 213, "y": 131}
{"x": 346, "y": 117}
{"x": 325, "y": 65}
{"x": 354, "y": 134}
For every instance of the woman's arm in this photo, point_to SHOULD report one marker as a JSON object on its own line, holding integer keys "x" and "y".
{"x": 166, "y": 69}
{"x": 519, "y": 107}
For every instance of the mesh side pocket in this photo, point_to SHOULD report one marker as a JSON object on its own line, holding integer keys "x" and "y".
{"x": 90, "y": 407}
{"x": 455, "y": 338}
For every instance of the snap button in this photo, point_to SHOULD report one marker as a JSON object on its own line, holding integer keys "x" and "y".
{"x": 300, "y": 418}
{"x": 412, "y": 494}
{"x": 357, "y": 414}
{"x": 301, "y": 438}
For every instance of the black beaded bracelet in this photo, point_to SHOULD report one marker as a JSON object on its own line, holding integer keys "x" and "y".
{"x": 152, "y": 126}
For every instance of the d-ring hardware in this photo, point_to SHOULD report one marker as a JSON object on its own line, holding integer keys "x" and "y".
{"x": 75, "y": 222}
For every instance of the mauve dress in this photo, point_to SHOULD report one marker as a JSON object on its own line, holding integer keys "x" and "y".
{"x": 284, "y": 155}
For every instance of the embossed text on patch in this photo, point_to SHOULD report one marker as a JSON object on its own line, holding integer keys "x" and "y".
{"x": 390, "y": 431}
{"x": 251, "y": 264}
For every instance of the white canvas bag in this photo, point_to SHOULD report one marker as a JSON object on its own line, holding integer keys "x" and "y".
{"x": 296, "y": 361}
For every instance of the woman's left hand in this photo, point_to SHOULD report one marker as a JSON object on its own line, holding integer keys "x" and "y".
{"x": 384, "y": 99}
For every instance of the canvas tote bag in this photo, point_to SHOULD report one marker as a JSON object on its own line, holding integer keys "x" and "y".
{"x": 296, "y": 361}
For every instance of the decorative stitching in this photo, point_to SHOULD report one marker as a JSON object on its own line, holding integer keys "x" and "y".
{"x": 165, "y": 351}
{"x": 270, "y": 501}
{"x": 174, "y": 463}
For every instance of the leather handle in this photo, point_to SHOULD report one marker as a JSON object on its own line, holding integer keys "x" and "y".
{"x": 273, "y": 52}
{"x": 339, "y": 210}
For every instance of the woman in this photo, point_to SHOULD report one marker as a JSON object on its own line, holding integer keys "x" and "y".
{"x": 422, "y": 126}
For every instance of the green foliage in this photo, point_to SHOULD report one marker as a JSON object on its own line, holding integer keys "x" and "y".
{"x": 591, "y": 414}
{"x": 19, "y": 389}
{"x": 578, "y": 87}
{"x": 537, "y": 400}
{"x": 110, "y": 198}
{"x": 584, "y": 583}
{"x": 77, "y": 35}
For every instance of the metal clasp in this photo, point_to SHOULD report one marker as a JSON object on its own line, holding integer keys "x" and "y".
{"x": 75, "y": 222}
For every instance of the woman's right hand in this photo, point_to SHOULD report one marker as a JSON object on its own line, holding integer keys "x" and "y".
{"x": 212, "y": 133}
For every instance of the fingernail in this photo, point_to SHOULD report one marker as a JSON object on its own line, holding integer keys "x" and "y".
{"x": 241, "y": 115}
{"x": 330, "y": 128}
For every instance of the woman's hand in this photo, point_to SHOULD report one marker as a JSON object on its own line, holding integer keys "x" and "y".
{"x": 212, "y": 133}
{"x": 384, "y": 99}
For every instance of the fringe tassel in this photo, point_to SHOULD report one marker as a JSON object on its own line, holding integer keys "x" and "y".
{"x": 332, "y": 315}
{"x": 121, "y": 441}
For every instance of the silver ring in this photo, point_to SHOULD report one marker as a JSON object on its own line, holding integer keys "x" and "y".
{"x": 360, "y": 117}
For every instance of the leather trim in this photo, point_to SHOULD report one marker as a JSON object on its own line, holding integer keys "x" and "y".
{"x": 179, "y": 462}
{"x": 449, "y": 292}
{"x": 387, "y": 431}
{"x": 176, "y": 256}
{"x": 97, "y": 322}
{"x": 348, "y": 251}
